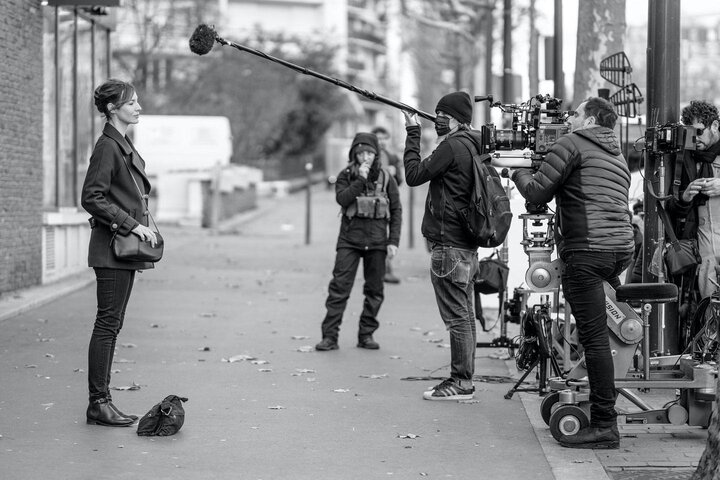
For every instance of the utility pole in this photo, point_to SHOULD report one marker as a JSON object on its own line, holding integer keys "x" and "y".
{"x": 663, "y": 100}
{"x": 558, "y": 75}
{"x": 507, "y": 96}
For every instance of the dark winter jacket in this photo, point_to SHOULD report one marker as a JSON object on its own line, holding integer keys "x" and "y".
{"x": 590, "y": 180}
{"x": 111, "y": 197}
{"x": 449, "y": 171}
{"x": 685, "y": 214}
{"x": 367, "y": 233}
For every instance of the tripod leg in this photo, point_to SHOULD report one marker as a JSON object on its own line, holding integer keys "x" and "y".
{"x": 516, "y": 387}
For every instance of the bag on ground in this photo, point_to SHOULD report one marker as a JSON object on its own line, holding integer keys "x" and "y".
{"x": 164, "y": 418}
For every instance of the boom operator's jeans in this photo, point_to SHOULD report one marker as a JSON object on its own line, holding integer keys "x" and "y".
{"x": 113, "y": 292}
{"x": 452, "y": 271}
{"x": 582, "y": 283}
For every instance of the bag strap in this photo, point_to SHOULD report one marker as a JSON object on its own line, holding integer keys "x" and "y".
{"x": 143, "y": 198}
{"x": 666, "y": 222}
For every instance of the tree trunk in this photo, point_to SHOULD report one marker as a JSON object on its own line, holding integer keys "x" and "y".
{"x": 600, "y": 33}
{"x": 709, "y": 465}
{"x": 534, "y": 39}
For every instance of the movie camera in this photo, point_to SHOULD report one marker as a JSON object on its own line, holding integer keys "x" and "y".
{"x": 536, "y": 125}
{"x": 670, "y": 138}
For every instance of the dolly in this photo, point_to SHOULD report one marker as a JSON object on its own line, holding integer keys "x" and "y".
{"x": 566, "y": 409}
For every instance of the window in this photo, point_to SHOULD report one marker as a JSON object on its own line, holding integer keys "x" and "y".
{"x": 75, "y": 51}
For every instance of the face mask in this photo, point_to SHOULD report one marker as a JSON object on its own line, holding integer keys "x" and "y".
{"x": 442, "y": 126}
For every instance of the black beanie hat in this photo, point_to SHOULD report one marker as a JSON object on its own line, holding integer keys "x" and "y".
{"x": 458, "y": 105}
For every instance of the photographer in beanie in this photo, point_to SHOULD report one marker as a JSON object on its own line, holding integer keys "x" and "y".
{"x": 370, "y": 229}
{"x": 454, "y": 260}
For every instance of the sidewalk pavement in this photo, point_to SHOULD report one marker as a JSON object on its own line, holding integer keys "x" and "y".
{"x": 228, "y": 319}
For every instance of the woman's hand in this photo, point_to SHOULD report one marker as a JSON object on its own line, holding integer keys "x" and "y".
{"x": 364, "y": 169}
{"x": 145, "y": 234}
{"x": 392, "y": 251}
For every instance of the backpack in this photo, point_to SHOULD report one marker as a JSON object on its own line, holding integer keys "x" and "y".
{"x": 488, "y": 216}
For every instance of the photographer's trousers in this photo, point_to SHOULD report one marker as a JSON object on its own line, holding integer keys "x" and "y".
{"x": 344, "y": 271}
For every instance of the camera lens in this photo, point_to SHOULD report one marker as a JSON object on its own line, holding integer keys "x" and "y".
{"x": 509, "y": 140}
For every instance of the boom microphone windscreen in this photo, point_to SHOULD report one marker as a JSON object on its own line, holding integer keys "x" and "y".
{"x": 202, "y": 39}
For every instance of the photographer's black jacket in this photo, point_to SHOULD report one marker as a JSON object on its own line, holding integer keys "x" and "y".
{"x": 449, "y": 171}
{"x": 590, "y": 180}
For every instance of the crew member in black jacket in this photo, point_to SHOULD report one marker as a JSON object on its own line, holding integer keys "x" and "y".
{"x": 454, "y": 260}
{"x": 370, "y": 229}
{"x": 589, "y": 178}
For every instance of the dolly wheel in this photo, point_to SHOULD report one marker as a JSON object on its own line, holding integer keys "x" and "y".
{"x": 567, "y": 420}
{"x": 546, "y": 406}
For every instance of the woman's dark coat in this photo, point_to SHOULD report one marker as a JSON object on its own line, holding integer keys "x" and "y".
{"x": 111, "y": 197}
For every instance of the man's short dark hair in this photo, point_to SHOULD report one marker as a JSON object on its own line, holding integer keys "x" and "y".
{"x": 380, "y": 131}
{"x": 602, "y": 110}
{"x": 705, "y": 112}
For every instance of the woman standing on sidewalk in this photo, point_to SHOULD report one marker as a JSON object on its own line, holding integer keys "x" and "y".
{"x": 110, "y": 195}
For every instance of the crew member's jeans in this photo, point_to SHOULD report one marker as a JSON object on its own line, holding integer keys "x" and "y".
{"x": 346, "y": 265}
{"x": 452, "y": 274}
{"x": 113, "y": 292}
{"x": 582, "y": 283}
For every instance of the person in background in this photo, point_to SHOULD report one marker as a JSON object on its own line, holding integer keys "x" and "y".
{"x": 369, "y": 230}
{"x": 697, "y": 208}
{"x": 453, "y": 257}
{"x": 390, "y": 161}
{"x": 589, "y": 178}
{"x": 110, "y": 194}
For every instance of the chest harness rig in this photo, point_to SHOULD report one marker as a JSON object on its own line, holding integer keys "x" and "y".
{"x": 372, "y": 203}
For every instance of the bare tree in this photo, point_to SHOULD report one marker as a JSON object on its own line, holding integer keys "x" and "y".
{"x": 600, "y": 33}
{"x": 445, "y": 37}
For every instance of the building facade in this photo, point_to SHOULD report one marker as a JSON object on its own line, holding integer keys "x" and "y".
{"x": 59, "y": 51}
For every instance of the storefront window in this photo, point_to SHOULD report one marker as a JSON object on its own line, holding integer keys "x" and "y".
{"x": 75, "y": 56}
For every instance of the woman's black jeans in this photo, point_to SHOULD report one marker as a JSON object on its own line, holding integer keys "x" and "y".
{"x": 582, "y": 283}
{"x": 113, "y": 292}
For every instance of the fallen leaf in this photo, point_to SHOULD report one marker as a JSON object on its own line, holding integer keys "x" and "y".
{"x": 134, "y": 386}
{"x": 238, "y": 358}
{"x": 47, "y": 405}
{"x": 375, "y": 376}
{"x": 129, "y": 345}
{"x": 341, "y": 390}
{"x": 207, "y": 314}
{"x": 299, "y": 337}
{"x": 30, "y": 366}
{"x": 395, "y": 357}
{"x": 306, "y": 349}
{"x": 408, "y": 435}
{"x": 265, "y": 370}
{"x": 49, "y": 355}
{"x": 259, "y": 362}
{"x": 277, "y": 407}
{"x": 443, "y": 345}
{"x": 123, "y": 360}
{"x": 305, "y": 370}
{"x": 469, "y": 401}
{"x": 204, "y": 349}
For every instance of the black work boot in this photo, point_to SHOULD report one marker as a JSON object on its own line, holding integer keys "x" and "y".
{"x": 327, "y": 343}
{"x": 593, "y": 437}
